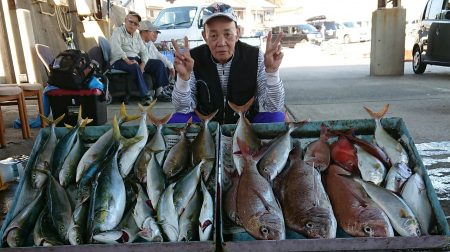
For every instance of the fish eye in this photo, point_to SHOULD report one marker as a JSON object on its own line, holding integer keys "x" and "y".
{"x": 397, "y": 179}
{"x": 368, "y": 230}
{"x": 61, "y": 228}
{"x": 33, "y": 175}
{"x": 418, "y": 232}
{"x": 309, "y": 225}
{"x": 264, "y": 231}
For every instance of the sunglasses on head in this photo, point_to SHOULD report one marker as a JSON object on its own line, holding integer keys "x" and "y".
{"x": 133, "y": 22}
{"x": 219, "y": 8}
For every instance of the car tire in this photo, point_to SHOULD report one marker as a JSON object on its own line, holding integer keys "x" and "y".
{"x": 346, "y": 39}
{"x": 418, "y": 65}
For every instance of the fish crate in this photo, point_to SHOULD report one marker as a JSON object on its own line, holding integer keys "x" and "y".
{"x": 90, "y": 135}
{"x": 235, "y": 238}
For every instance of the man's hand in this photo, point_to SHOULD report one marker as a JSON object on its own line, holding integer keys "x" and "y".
{"x": 130, "y": 62}
{"x": 142, "y": 66}
{"x": 183, "y": 62}
{"x": 273, "y": 55}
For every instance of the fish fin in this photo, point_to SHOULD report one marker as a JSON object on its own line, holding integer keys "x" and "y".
{"x": 116, "y": 130}
{"x": 324, "y": 135}
{"x": 242, "y": 109}
{"x": 80, "y": 115}
{"x": 359, "y": 198}
{"x": 124, "y": 117}
{"x": 206, "y": 118}
{"x": 379, "y": 114}
{"x": 68, "y": 126}
{"x": 86, "y": 122}
{"x": 205, "y": 225}
{"x": 158, "y": 121}
{"x": 263, "y": 200}
{"x": 403, "y": 213}
{"x": 146, "y": 108}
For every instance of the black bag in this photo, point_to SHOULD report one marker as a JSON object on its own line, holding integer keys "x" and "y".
{"x": 71, "y": 69}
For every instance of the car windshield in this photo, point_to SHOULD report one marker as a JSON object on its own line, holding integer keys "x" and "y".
{"x": 176, "y": 17}
{"x": 350, "y": 25}
{"x": 307, "y": 28}
{"x": 330, "y": 25}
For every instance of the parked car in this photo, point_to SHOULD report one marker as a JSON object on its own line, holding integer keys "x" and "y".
{"x": 326, "y": 27}
{"x": 294, "y": 34}
{"x": 348, "y": 32}
{"x": 432, "y": 39}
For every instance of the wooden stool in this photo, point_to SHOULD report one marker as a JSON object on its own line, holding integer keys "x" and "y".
{"x": 11, "y": 95}
{"x": 34, "y": 91}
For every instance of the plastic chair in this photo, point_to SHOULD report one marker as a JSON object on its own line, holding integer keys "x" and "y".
{"x": 13, "y": 95}
{"x": 117, "y": 78}
{"x": 46, "y": 56}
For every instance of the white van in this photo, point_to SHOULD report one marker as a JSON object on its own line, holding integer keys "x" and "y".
{"x": 186, "y": 20}
{"x": 179, "y": 21}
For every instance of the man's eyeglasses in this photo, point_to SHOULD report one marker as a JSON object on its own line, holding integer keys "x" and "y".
{"x": 133, "y": 22}
{"x": 223, "y": 8}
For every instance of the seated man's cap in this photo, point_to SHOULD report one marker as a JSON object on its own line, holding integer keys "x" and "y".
{"x": 133, "y": 13}
{"x": 218, "y": 10}
{"x": 146, "y": 25}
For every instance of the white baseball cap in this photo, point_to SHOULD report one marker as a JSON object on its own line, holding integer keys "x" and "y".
{"x": 218, "y": 10}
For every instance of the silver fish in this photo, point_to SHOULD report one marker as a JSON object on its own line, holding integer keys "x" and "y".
{"x": 245, "y": 132}
{"x": 402, "y": 218}
{"x": 69, "y": 168}
{"x": 167, "y": 215}
{"x": 185, "y": 188}
{"x": 129, "y": 155}
{"x": 415, "y": 195}
{"x": 143, "y": 215}
{"x": 18, "y": 230}
{"x": 44, "y": 157}
{"x": 206, "y": 218}
{"x": 110, "y": 199}
{"x": 371, "y": 168}
{"x": 393, "y": 148}
{"x": 276, "y": 156}
{"x": 203, "y": 146}
{"x": 99, "y": 149}
{"x": 397, "y": 176}
{"x": 155, "y": 181}
{"x": 188, "y": 223}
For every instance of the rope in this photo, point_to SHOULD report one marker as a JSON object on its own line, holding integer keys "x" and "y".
{"x": 63, "y": 17}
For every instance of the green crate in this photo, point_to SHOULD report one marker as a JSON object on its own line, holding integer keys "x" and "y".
{"x": 91, "y": 134}
{"x": 237, "y": 239}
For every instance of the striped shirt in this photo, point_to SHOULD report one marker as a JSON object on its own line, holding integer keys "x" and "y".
{"x": 269, "y": 94}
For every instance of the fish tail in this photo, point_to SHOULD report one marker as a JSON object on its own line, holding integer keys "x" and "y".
{"x": 324, "y": 132}
{"x": 206, "y": 118}
{"x": 158, "y": 121}
{"x": 116, "y": 130}
{"x": 48, "y": 121}
{"x": 379, "y": 114}
{"x": 85, "y": 122}
{"x": 146, "y": 108}
{"x": 124, "y": 117}
{"x": 242, "y": 109}
{"x": 80, "y": 115}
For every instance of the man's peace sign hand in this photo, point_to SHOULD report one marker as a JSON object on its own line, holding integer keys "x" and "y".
{"x": 273, "y": 55}
{"x": 183, "y": 61}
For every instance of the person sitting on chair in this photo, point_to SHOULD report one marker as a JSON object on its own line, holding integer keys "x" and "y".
{"x": 157, "y": 62}
{"x": 128, "y": 53}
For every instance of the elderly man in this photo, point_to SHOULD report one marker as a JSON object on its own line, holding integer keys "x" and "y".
{"x": 226, "y": 70}
{"x": 128, "y": 53}
{"x": 157, "y": 62}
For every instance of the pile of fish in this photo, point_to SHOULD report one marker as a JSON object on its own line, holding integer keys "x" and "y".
{"x": 365, "y": 188}
{"x": 118, "y": 190}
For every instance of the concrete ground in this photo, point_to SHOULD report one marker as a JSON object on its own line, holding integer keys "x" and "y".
{"x": 332, "y": 82}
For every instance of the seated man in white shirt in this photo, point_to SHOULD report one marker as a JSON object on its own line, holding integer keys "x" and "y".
{"x": 157, "y": 63}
